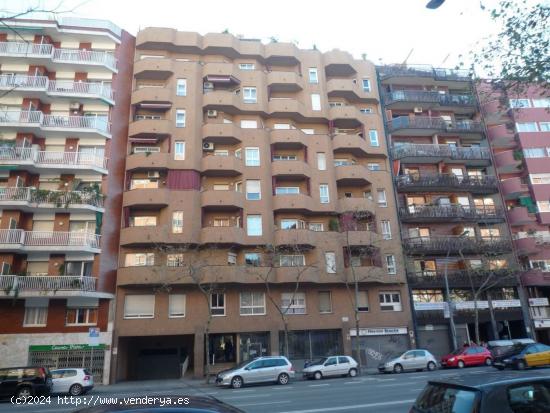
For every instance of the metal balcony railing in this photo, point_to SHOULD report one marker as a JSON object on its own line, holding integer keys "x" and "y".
{"x": 25, "y": 49}
{"x": 436, "y": 123}
{"x": 456, "y": 244}
{"x": 461, "y": 278}
{"x": 451, "y": 211}
{"x": 468, "y": 305}
{"x": 447, "y": 182}
{"x": 62, "y": 198}
{"x": 49, "y": 238}
{"x": 26, "y": 117}
{"x": 21, "y": 284}
{"x": 419, "y": 96}
{"x": 424, "y": 71}
{"x": 440, "y": 151}
{"x": 15, "y": 154}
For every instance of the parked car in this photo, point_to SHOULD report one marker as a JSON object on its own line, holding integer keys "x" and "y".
{"x": 467, "y": 356}
{"x": 409, "y": 360}
{"x": 72, "y": 381}
{"x": 25, "y": 381}
{"x": 499, "y": 347}
{"x": 522, "y": 356}
{"x": 331, "y": 366}
{"x": 489, "y": 393}
{"x": 275, "y": 369}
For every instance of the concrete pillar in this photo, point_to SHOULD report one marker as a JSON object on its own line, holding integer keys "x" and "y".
{"x": 198, "y": 356}
{"x": 346, "y": 339}
{"x": 274, "y": 342}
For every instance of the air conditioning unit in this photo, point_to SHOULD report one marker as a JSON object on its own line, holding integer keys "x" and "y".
{"x": 208, "y": 85}
{"x": 207, "y": 146}
{"x": 153, "y": 174}
{"x": 212, "y": 113}
{"x": 417, "y": 109}
{"x": 74, "y": 106}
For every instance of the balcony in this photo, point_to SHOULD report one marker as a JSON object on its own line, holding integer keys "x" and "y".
{"x": 156, "y": 98}
{"x": 293, "y": 203}
{"x": 221, "y": 73}
{"x": 438, "y": 245}
{"x": 213, "y": 165}
{"x": 232, "y": 235}
{"x": 31, "y": 86}
{"x": 520, "y": 216}
{"x": 151, "y": 160}
{"x": 153, "y": 69}
{"x": 347, "y": 117}
{"x": 281, "y": 54}
{"x": 290, "y": 169}
{"x": 154, "y": 198}
{"x": 447, "y": 183}
{"x": 417, "y": 74}
{"x": 285, "y": 82}
{"x": 339, "y": 63}
{"x": 527, "y": 246}
{"x": 62, "y": 162}
{"x": 222, "y": 200}
{"x": 354, "y": 144}
{"x": 46, "y": 54}
{"x": 501, "y": 137}
{"x": 406, "y": 99}
{"x": 222, "y": 133}
{"x": 34, "y": 200}
{"x": 426, "y": 125}
{"x": 15, "y": 240}
{"x": 144, "y": 236}
{"x": 356, "y": 205}
{"x": 38, "y": 123}
{"x": 351, "y": 90}
{"x": 288, "y": 138}
{"x": 295, "y": 238}
{"x": 350, "y": 175}
{"x": 508, "y": 162}
{"x": 150, "y": 128}
{"x": 468, "y": 305}
{"x": 12, "y": 286}
{"x": 360, "y": 237}
{"x": 513, "y": 188}
{"x": 434, "y": 154}
{"x": 450, "y": 213}
{"x": 287, "y": 107}
{"x": 228, "y": 102}
{"x": 461, "y": 278}
{"x": 535, "y": 277}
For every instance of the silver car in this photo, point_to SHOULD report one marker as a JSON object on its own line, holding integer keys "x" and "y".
{"x": 331, "y": 366}
{"x": 410, "y": 360}
{"x": 276, "y": 369}
{"x": 72, "y": 381}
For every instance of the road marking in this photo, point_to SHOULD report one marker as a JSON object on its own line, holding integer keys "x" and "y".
{"x": 383, "y": 380}
{"x": 318, "y": 385}
{"x": 350, "y": 407}
{"x": 245, "y": 396}
{"x": 353, "y": 382}
{"x": 261, "y": 404}
{"x": 421, "y": 377}
{"x": 281, "y": 388}
{"x": 241, "y": 391}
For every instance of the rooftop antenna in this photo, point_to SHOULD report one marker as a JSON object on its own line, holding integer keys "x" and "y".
{"x": 444, "y": 60}
{"x": 407, "y": 58}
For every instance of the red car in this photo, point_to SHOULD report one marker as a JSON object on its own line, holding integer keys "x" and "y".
{"x": 468, "y": 356}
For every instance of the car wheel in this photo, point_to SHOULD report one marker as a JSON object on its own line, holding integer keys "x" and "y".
{"x": 398, "y": 368}
{"x": 283, "y": 378}
{"x": 352, "y": 372}
{"x": 488, "y": 361}
{"x": 237, "y": 382}
{"x": 460, "y": 364}
{"x": 317, "y": 375}
{"x": 75, "y": 390}
{"x": 520, "y": 365}
{"x": 24, "y": 392}
{"x": 431, "y": 366}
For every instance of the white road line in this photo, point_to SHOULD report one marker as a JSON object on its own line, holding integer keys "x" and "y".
{"x": 318, "y": 385}
{"x": 421, "y": 377}
{"x": 262, "y": 404}
{"x": 281, "y": 388}
{"x": 245, "y": 396}
{"x": 353, "y": 382}
{"x": 350, "y": 407}
{"x": 241, "y": 391}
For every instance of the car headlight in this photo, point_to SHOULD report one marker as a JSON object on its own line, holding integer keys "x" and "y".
{"x": 388, "y": 364}
{"x": 452, "y": 359}
{"x": 507, "y": 360}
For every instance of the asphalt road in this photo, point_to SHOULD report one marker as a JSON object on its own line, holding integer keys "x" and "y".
{"x": 371, "y": 393}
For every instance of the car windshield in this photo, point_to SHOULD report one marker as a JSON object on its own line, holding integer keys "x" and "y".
{"x": 438, "y": 398}
{"x": 318, "y": 361}
{"x": 457, "y": 352}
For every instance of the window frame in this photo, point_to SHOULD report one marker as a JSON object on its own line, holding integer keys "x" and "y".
{"x": 181, "y": 84}
{"x": 140, "y": 315}
{"x": 177, "y": 315}
{"x": 177, "y": 223}
{"x": 217, "y": 306}
{"x": 253, "y": 305}
{"x": 248, "y": 193}
{"x": 252, "y": 93}
{"x": 292, "y": 307}
{"x": 39, "y": 314}
{"x": 373, "y": 138}
{"x": 259, "y": 220}
{"x": 329, "y": 293}
{"x": 178, "y": 122}
{"x": 179, "y": 155}
{"x": 324, "y": 199}
{"x": 251, "y": 160}
{"x": 313, "y": 79}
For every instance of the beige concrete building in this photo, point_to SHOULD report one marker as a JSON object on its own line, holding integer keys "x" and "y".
{"x": 257, "y": 173}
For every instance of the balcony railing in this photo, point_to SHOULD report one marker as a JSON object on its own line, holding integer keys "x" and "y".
{"x": 461, "y": 278}
{"x": 74, "y": 56}
{"x": 21, "y": 284}
{"x": 436, "y": 123}
{"x": 418, "y": 96}
{"x": 424, "y": 71}
{"x": 440, "y": 151}
{"x": 49, "y": 238}
{"x": 456, "y": 244}
{"x": 447, "y": 182}
{"x": 468, "y": 305}
{"x": 451, "y": 212}
{"x": 98, "y": 123}
{"x": 31, "y": 155}
{"x": 56, "y": 87}
{"x": 58, "y": 198}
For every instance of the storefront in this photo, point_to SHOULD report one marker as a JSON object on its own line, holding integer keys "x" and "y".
{"x": 310, "y": 345}
{"x": 379, "y": 343}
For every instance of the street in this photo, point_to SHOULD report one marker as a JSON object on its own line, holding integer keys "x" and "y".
{"x": 368, "y": 393}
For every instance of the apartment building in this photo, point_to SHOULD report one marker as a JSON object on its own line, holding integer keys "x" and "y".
{"x": 451, "y": 215}
{"x": 257, "y": 183}
{"x": 518, "y": 128}
{"x": 64, "y": 107}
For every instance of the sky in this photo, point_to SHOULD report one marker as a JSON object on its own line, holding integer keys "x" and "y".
{"x": 388, "y": 31}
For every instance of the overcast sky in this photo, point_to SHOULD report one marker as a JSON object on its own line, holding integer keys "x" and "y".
{"x": 386, "y": 30}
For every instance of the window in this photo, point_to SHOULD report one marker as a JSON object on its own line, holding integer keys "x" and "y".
{"x": 323, "y": 194}
{"x": 249, "y": 95}
{"x": 81, "y": 316}
{"x": 355, "y": 261}
{"x": 249, "y": 124}
{"x": 330, "y": 262}
{"x": 252, "y": 259}
{"x": 252, "y": 303}
{"x": 544, "y": 126}
{"x": 174, "y": 260}
{"x": 292, "y": 224}
{"x": 362, "y": 301}
{"x": 143, "y": 221}
{"x": 535, "y": 152}
{"x": 252, "y": 156}
{"x": 221, "y": 152}
{"x": 287, "y": 190}
{"x": 231, "y": 258}
{"x": 293, "y": 303}
{"x": 381, "y": 195}
{"x": 315, "y": 101}
{"x": 292, "y": 260}
{"x": 285, "y": 157}
{"x": 519, "y": 103}
{"x": 253, "y": 191}
{"x": 366, "y": 111}
{"x": 140, "y": 259}
{"x": 373, "y": 166}
{"x": 176, "y": 305}
{"x": 537, "y": 179}
{"x": 366, "y": 85}
{"x": 254, "y": 225}
{"x": 543, "y": 206}
{"x": 246, "y": 66}
{"x": 390, "y": 300}
{"x": 35, "y": 317}
{"x": 179, "y": 150}
{"x": 181, "y": 87}
{"x": 313, "y": 75}
{"x": 316, "y": 226}
{"x": 139, "y": 306}
{"x": 489, "y": 232}
{"x": 217, "y": 304}
{"x": 541, "y": 103}
{"x": 373, "y": 136}
{"x": 143, "y": 183}
{"x": 177, "y": 222}
{"x": 220, "y": 187}
{"x": 529, "y": 397}
{"x": 325, "y": 302}
{"x": 386, "y": 229}
{"x": 321, "y": 161}
{"x": 238, "y": 186}
{"x": 180, "y": 118}
{"x": 527, "y": 127}
{"x": 390, "y": 264}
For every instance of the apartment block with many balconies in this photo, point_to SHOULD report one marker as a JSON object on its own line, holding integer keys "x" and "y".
{"x": 452, "y": 218}
{"x": 518, "y": 128}
{"x": 61, "y": 195}
{"x": 257, "y": 176}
